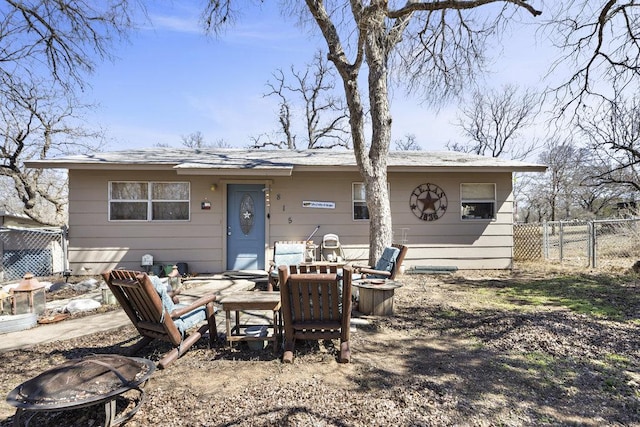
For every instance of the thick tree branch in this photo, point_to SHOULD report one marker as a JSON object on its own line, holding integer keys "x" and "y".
{"x": 432, "y": 6}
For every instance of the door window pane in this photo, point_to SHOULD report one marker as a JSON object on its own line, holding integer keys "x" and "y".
{"x": 247, "y": 213}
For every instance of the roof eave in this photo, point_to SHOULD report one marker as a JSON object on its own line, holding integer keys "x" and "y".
{"x": 44, "y": 164}
{"x": 484, "y": 169}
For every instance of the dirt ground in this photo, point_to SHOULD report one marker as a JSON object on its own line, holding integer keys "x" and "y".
{"x": 522, "y": 348}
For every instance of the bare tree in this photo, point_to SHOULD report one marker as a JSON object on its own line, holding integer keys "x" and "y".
{"x": 432, "y": 45}
{"x": 65, "y": 36}
{"x": 325, "y": 114}
{"x": 601, "y": 45}
{"x": 284, "y": 120}
{"x": 613, "y": 135}
{"x": 555, "y": 192}
{"x": 34, "y": 126}
{"x": 595, "y": 196}
{"x": 570, "y": 189}
{"x": 196, "y": 140}
{"x": 193, "y": 140}
{"x": 493, "y": 120}
{"x": 408, "y": 143}
{"x": 531, "y": 206}
{"x": 48, "y": 47}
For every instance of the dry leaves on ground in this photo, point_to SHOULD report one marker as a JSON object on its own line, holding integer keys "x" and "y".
{"x": 490, "y": 348}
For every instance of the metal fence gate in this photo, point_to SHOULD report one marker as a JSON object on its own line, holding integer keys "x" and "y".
{"x": 596, "y": 243}
{"x": 41, "y": 251}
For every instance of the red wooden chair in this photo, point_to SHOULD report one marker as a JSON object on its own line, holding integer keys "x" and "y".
{"x": 315, "y": 306}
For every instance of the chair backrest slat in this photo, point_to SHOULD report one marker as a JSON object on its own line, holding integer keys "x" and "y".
{"x": 314, "y": 268}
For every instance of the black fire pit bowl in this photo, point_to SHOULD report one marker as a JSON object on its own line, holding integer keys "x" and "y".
{"x": 84, "y": 382}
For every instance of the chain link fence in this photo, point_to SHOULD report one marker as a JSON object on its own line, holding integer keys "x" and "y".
{"x": 596, "y": 244}
{"x": 41, "y": 251}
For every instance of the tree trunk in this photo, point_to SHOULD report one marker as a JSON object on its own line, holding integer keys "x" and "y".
{"x": 380, "y": 223}
{"x": 373, "y": 163}
{"x": 375, "y": 172}
{"x": 372, "y": 160}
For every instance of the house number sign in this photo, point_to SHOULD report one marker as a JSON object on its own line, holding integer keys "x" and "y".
{"x": 428, "y": 202}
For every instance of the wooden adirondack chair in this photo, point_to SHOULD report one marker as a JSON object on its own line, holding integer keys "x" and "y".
{"x": 156, "y": 317}
{"x": 387, "y": 266}
{"x": 315, "y": 306}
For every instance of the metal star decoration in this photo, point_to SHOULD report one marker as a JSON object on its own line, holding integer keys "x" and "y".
{"x": 428, "y": 203}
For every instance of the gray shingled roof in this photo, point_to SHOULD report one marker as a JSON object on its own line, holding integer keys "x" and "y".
{"x": 276, "y": 161}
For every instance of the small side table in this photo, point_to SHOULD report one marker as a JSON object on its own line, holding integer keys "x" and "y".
{"x": 375, "y": 296}
{"x": 252, "y": 300}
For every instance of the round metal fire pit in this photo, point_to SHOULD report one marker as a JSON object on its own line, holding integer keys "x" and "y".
{"x": 84, "y": 382}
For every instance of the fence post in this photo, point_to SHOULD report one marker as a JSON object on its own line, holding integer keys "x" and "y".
{"x": 595, "y": 244}
{"x": 545, "y": 240}
{"x": 561, "y": 241}
{"x": 591, "y": 239}
{"x": 64, "y": 234}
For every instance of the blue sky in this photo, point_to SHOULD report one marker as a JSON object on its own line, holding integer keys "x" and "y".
{"x": 171, "y": 80}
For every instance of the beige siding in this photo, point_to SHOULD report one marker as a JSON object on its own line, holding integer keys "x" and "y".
{"x": 97, "y": 244}
{"x": 451, "y": 241}
{"x": 447, "y": 241}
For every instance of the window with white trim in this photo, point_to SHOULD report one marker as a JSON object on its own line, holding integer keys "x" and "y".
{"x": 149, "y": 201}
{"x": 359, "y": 199}
{"x": 478, "y": 201}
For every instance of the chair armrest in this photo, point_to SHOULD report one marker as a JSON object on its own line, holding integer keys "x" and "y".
{"x": 376, "y": 272}
{"x": 202, "y": 301}
{"x": 359, "y": 266}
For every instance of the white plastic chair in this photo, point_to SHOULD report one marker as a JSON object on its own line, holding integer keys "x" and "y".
{"x": 331, "y": 248}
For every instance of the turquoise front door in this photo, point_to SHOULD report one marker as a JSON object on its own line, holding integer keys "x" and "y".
{"x": 245, "y": 227}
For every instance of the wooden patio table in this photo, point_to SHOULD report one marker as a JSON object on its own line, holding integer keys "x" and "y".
{"x": 252, "y": 300}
